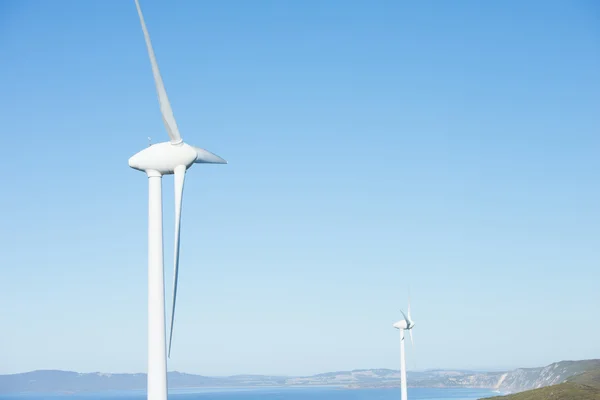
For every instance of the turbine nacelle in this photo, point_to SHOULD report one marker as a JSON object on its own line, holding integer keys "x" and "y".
{"x": 401, "y": 325}
{"x": 165, "y": 157}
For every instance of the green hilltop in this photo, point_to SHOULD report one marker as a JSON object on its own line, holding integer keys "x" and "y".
{"x": 585, "y": 386}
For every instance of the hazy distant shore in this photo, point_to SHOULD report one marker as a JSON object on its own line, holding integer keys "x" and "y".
{"x": 501, "y": 381}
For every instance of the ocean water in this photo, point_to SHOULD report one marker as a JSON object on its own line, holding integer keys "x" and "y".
{"x": 328, "y": 393}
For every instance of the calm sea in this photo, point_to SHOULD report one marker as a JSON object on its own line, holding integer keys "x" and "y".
{"x": 269, "y": 394}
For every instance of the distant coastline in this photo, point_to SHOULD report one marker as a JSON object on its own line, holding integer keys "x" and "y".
{"x": 500, "y": 381}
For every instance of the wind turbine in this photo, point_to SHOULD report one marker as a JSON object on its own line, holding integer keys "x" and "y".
{"x": 166, "y": 158}
{"x": 404, "y": 325}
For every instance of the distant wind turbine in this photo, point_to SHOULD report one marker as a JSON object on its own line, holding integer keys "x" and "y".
{"x": 166, "y": 158}
{"x": 404, "y": 325}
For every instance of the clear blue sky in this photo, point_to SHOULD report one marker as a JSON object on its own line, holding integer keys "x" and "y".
{"x": 449, "y": 146}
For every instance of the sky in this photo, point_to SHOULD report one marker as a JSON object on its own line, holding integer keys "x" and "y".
{"x": 446, "y": 147}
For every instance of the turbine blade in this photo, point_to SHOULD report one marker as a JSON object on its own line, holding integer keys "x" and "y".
{"x": 206, "y": 157}
{"x": 409, "y": 303}
{"x": 414, "y": 350}
{"x": 404, "y": 315}
{"x": 179, "y": 174}
{"x": 163, "y": 100}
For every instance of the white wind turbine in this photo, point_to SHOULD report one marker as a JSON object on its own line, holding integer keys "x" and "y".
{"x": 404, "y": 325}
{"x": 173, "y": 157}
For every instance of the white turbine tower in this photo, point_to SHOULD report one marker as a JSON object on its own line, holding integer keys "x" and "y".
{"x": 173, "y": 157}
{"x": 404, "y": 325}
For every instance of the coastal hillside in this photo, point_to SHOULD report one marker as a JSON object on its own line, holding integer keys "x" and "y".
{"x": 514, "y": 381}
{"x": 585, "y": 386}
{"x": 532, "y": 378}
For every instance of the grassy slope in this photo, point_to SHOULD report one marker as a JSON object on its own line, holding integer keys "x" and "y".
{"x": 590, "y": 378}
{"x": 585, "y": 386}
